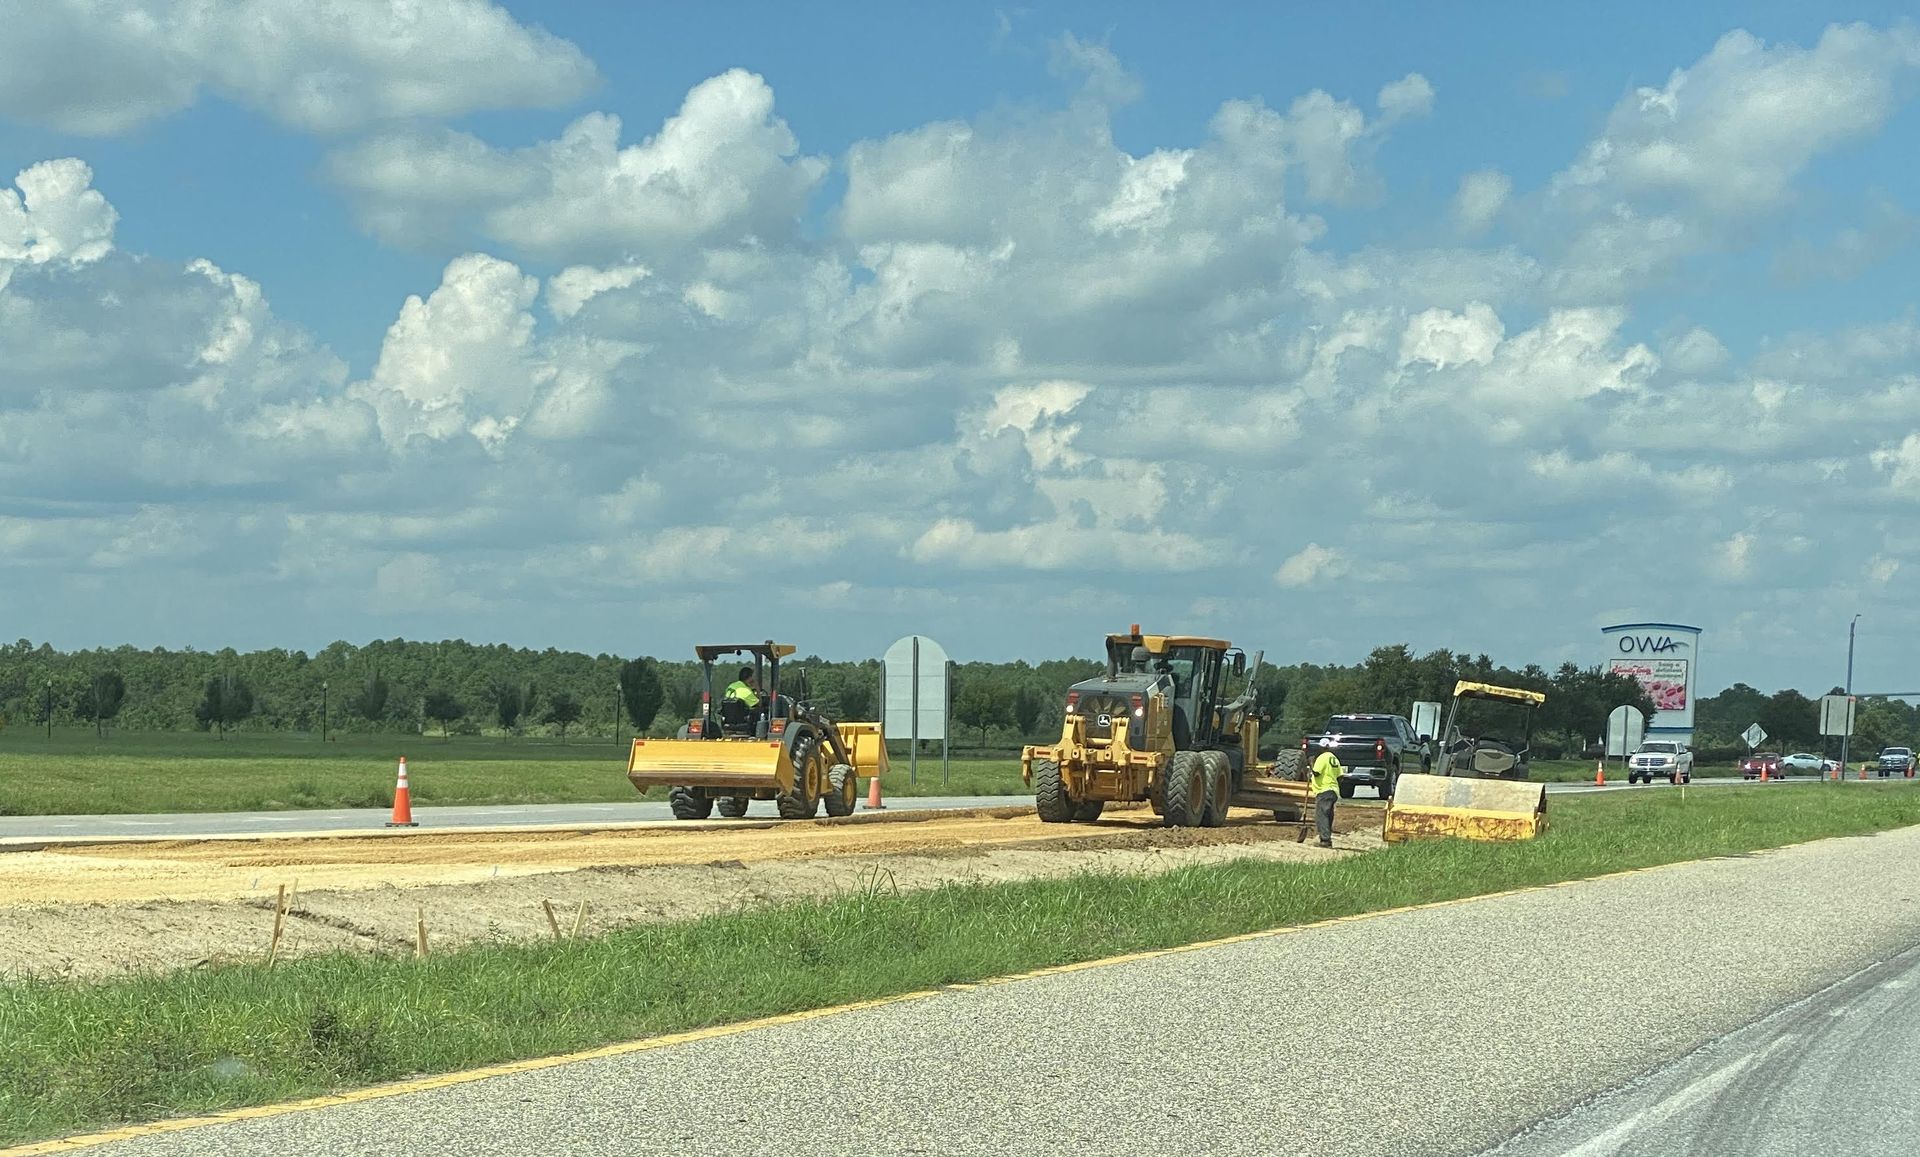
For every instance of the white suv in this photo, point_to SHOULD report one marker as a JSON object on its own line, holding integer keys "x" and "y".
{"x": 1666, "y": 758}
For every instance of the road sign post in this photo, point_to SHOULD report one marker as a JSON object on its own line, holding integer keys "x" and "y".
{"x": 916, "y": 698}
{"x": 1626, "y": 727}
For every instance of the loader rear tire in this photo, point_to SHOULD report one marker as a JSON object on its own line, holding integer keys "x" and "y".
{"x": 688, "y": 804}
{"x": 1086, "y": 813}
{"x": 732, "y": 807}
{"x": 1050, "y": 798}
{"x": 843, "y": 789}
{"x": 1186, "y": 790}
{"x": 1219, "y": 774}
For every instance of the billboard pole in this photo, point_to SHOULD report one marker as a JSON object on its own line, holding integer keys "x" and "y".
{"x": 946, "y": 713}
{"x": 913, "y": 752}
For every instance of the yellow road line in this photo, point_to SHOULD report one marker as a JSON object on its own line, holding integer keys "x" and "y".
{"x": 648, "y": 1044}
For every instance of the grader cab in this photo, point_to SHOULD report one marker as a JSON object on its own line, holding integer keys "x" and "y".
{"x": 777, "y": 747}
{"x": 1154, "y": 727}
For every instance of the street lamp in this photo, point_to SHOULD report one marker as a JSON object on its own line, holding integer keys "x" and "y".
{"x": 323, "y": 710}
{"x": 619, "y": 689}
{"x": 46, "y": 708}
{"x": 1848, "y": 733}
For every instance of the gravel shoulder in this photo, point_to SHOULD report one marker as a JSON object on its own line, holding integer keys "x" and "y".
{"x": 1441, "y": 1030}
{"x": 114, "y": 909}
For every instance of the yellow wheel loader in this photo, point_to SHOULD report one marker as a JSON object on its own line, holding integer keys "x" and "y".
{"x": 1153, "y": 727}
{"x": 1478, "y": 789}
{"x": 778, "y": 748}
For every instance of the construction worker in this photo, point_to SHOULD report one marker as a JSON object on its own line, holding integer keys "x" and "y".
{"x": 1325, "y": 786}
{"x": 744, "y": 689}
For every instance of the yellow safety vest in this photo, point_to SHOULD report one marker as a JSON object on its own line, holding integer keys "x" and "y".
{"x": 1326, "y": 772}
{"x": 742, "y": 692}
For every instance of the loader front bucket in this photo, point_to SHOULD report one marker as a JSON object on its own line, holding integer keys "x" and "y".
{"x": 747, "y": 764}
{"x": 1435, "y": 806}
{"x": 867, "y": 743}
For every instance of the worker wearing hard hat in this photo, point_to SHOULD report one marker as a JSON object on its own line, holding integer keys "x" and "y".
{"x": 1325, "y": 786}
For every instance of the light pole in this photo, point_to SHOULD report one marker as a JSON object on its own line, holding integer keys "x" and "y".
{"x": 1848, "y": 733}
{"x": 323, "y": 710}
{"x": 46, "y": 708}
{"x": 618, "y": 690}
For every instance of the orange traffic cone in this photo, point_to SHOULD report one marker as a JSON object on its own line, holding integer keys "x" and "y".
{"x": 402, "y": 801}
{"x": 1600, "y": 773}
{"x": 1763, "y": 773}
{"x": 873, "y": 793}
{"x": 1863, "y": 771}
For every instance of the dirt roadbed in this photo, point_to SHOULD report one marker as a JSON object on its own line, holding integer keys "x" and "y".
{"x": 115, "y": 908}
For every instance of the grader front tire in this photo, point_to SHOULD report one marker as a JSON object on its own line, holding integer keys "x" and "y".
{"x": 1086, "y": 813}
{"x": 1219, "y": 779}
{"x": 732, "y": 807}
{"x": 1050, "y": 794}
{"x": 1186, "y": 790}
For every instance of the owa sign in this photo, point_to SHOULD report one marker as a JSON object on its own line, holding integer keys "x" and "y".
{"x": 1649, "y": 644}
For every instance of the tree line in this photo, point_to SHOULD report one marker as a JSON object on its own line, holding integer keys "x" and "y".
{"x": 454, "y": 687}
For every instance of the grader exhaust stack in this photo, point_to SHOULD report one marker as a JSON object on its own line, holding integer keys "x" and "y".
{"x": 1480, "y": 789}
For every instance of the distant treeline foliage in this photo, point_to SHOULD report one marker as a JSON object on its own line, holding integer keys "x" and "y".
{"x": 460, "y": 688}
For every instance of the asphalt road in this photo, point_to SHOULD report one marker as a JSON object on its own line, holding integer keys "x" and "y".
{"x": 1833, "y": 1073}
{"x": 189, "y": 824}
{"x": 1443, "y": 1030}
{"x": 185, "y": 824}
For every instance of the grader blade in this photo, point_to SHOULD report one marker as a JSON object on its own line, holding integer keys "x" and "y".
{"x": 1436, "y": 806}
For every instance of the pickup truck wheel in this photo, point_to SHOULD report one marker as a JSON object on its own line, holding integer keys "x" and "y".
{"x": 1346, "y": 791}
{"x": 1050, "y": 794}
{"x": 1186, "y": 790}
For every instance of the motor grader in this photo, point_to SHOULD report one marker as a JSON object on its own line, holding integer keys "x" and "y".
{"x": 1478, "y": 789}
{"x": 782, "y": 750}
{"x": 1154, "y": 727}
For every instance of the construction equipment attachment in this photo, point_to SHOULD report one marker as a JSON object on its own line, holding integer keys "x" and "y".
{"x": 763, "y": 741}
{"x": 1435, "y": 806}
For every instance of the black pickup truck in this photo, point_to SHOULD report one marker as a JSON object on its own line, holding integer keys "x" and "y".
{"x": 1374, "y": 750}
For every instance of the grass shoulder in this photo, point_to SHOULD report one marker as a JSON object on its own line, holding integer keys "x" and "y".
{"x": 86, "y": 1055}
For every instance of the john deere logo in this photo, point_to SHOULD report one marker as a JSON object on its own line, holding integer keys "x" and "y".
{"x": 1649, "y": 644}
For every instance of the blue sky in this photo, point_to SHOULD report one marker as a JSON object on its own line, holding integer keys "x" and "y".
{"x": 1470, "y": 326}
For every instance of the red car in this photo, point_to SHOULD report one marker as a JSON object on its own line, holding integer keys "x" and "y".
{"x": 1752, "y": 765}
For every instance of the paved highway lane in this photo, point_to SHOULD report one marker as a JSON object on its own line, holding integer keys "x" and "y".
{"x": 1834, "y": 1073}
{"x": 187, "y": 824}
{"x": 1442, "y": 1030}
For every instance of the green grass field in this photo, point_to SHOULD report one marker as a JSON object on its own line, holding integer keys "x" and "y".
{"x": 135, "y": 773}
{"x": 85, "y": 1055}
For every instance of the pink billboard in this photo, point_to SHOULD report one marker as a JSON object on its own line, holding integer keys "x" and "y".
{"x": 1664, "y": 679}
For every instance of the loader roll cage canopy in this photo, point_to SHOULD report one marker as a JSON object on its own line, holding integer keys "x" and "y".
{"x": 1466, "y": 689}
{"x": 766, "y": 672}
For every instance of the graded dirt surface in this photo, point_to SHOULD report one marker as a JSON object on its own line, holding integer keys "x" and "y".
{"x": 97, "y": 909}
